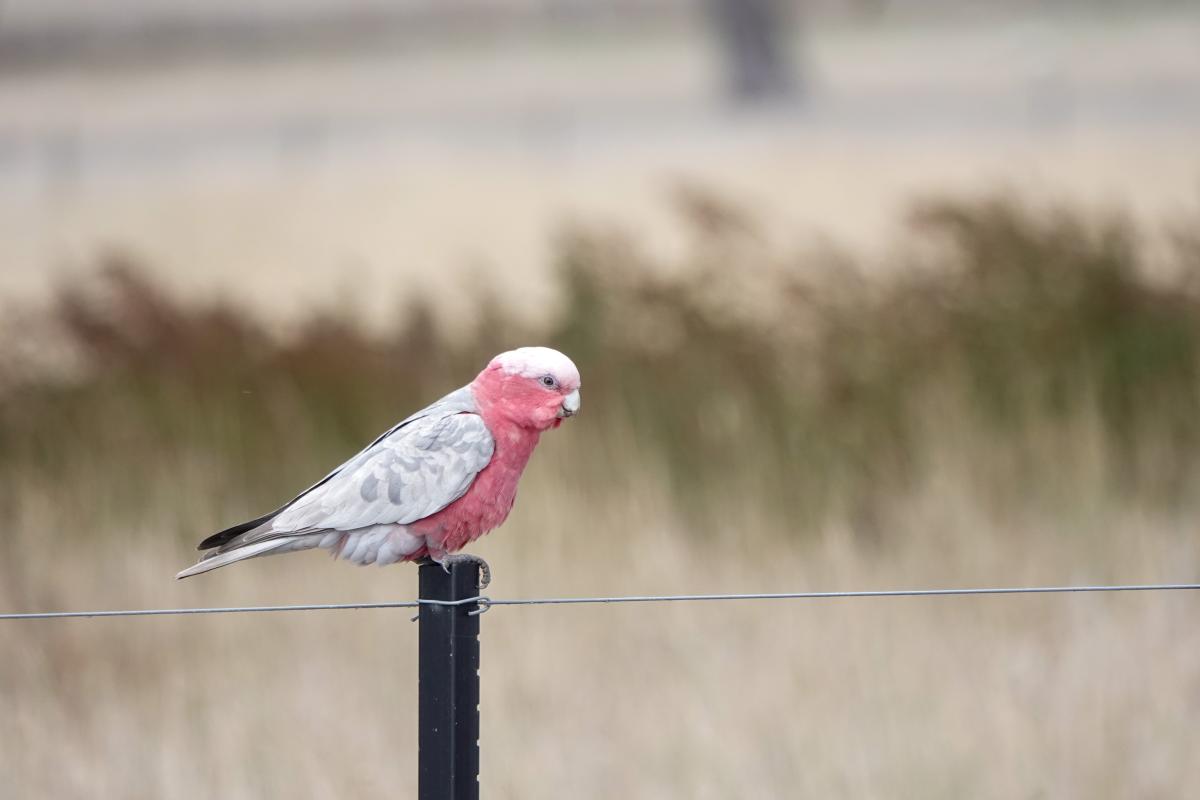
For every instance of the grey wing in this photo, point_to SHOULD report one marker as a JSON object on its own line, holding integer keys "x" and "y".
{"x": 459, "y": 401}
{"x": 413, "y": 472}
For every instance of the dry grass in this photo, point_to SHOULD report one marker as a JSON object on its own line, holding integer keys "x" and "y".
{"x": 1045, "y": 696}
{"x": 1017, "y": 407}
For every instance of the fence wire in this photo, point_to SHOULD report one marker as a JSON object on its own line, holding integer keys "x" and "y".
{"x": 486, "y": 602}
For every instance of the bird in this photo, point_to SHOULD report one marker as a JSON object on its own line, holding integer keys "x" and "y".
{"x": 428, "y": 486}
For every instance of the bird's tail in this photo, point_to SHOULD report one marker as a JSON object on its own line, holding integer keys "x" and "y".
{"x": 216, "y": 560}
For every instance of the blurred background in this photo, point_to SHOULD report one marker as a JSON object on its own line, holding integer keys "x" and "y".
{"x": 865, "y": 295}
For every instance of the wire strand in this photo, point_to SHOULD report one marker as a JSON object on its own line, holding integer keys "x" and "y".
{"x": 158, "y": 612}
{"x": 848, "y": 594}
{"x": 486, "y": 602}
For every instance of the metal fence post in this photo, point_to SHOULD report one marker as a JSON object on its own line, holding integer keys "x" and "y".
{"x": 448, "y": 678}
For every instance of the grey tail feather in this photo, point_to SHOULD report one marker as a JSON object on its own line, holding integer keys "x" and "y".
{"x": 227, "y": 535}
{"x": 216, "y": 560}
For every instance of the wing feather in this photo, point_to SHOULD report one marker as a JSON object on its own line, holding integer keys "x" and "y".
{"x": 413, "y": 473}
{"x": 424, "y": 432}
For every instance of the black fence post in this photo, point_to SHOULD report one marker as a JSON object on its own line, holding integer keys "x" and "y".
{"x": 448, "y": 678}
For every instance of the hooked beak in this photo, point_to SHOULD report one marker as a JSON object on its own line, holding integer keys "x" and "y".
{"x": 570, "y": 405}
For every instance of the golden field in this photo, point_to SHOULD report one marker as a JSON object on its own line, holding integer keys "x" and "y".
{"x": 1016, "y": 405}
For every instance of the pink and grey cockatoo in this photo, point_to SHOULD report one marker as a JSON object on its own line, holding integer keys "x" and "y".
{"x": 429, "y": 486}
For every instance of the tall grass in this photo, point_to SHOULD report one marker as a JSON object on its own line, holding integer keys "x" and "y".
{"x": 792, "y": 378}
{"x": 1014, "y": 402}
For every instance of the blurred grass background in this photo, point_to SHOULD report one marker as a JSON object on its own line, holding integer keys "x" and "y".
{"x": 1016, "y": 404}
{"x": 932, "y": 318}
{"x": 1008, "y": 327}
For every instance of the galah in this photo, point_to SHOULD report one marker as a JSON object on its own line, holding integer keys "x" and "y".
{"x": 431, "y": 484}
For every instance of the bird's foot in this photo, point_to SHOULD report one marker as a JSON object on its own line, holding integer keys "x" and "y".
{"x": 449, "y": 560}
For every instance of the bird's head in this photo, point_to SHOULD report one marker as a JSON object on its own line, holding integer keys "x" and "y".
{"x": 533, "y": 387}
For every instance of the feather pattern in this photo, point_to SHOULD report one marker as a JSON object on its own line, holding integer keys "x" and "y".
{"x": 413, "y": 470}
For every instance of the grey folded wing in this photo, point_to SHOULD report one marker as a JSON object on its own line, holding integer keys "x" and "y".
{"x": 416, "y": 471}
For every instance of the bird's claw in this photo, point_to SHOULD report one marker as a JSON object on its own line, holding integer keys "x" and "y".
{"x": 485, "y": 572}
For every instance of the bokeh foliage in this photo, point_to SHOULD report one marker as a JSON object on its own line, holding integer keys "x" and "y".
{"x": 790, "y": 379}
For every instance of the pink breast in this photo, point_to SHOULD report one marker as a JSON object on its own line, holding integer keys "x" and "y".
{"x": 487, "y": 503}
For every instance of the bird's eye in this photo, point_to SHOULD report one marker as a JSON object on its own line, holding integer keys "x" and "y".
{"x": 548, "y": 382}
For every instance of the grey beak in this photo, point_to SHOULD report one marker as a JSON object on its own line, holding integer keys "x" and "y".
{"x": 570, "y": 405}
